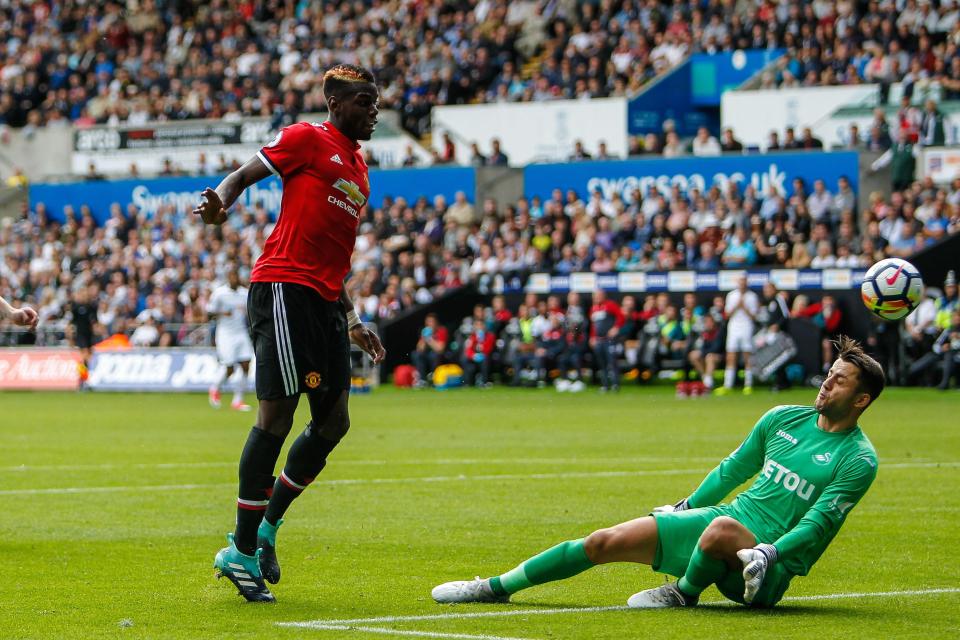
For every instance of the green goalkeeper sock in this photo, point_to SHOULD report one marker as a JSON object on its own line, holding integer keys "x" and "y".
{"x": 702, "y": 571}
{"x": 565, "y": 560}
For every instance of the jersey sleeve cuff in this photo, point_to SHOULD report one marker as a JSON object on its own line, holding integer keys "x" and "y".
{"x": 266, "y": 161}
{"x": 769, "y": 550}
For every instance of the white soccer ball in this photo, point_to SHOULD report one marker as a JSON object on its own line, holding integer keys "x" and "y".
{"x": 892, "y": 289}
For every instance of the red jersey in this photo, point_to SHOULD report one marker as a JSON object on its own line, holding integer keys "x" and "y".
{"x": 325, "y": 186}
{"x": 475, "y": 344}
{"x": 604, "y": 317}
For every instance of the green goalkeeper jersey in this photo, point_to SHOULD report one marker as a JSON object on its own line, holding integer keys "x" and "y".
{"x": 808, "y": 481}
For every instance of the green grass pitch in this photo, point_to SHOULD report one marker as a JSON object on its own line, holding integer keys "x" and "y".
{"x": 114, "y": 505}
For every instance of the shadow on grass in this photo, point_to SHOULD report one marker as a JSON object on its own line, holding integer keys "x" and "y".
{"x": 778, "y": 611}
{"x": 573, "y": 606}
{"x": 718, "y": 608}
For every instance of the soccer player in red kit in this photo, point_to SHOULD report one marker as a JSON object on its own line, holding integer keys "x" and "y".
{"x": 606, "y": 318}
{"x": 300, "y": 315}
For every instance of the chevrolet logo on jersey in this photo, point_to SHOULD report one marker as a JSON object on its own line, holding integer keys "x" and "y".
{"x": 352, "y": 191}
{"x": 788, "y": 479}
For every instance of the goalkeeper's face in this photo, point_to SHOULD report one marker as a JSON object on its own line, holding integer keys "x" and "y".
{"x": 840, "y": 394}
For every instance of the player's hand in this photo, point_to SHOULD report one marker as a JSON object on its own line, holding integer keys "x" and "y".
{"x": 369, "y": 342}
{"x": 25, "y": 317}
{"x": 211, "y": 208}
{"x": 683, "y": 505}
{"x": 755, "y": 561}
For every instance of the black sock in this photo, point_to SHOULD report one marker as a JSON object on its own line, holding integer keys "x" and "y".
{"x": 305, "y": 460}
{"x": 257, "y": 462}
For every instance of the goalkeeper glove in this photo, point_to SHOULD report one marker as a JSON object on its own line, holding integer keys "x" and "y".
{"x": 683, "y": 505}
{"x": 756, "y": 561}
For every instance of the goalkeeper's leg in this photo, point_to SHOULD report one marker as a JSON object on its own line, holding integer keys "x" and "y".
{"x": 715, "y": 555}
{"x": 713, "y": 558}
{"x": 632, "y": 541}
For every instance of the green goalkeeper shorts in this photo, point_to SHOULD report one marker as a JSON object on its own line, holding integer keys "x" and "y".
{"x": 677, "y": 537}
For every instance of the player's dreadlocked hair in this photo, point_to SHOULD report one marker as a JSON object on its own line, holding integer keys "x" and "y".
{"x": 344, "y": 77}
{"x": 872, "y": 379}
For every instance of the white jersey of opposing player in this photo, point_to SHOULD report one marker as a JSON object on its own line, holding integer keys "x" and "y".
{"x": 233, "y": 338}
{"x": 739, "y": 322}
{"x": 230, "y": 305}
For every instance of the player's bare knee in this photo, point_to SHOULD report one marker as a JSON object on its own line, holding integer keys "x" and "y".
{"x": 277, "y": 426}
{"x": 276, "y": 416}
{"x": 335, "y": 427}
{"x": 603, "y": 545}
{"x": 721, "y": 536}
{"x": 596, "y": 544}
{"x": 331, "y": 418}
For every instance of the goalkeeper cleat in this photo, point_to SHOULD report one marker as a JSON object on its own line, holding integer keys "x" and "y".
{"x": 267, "y": 542}
{"x": 243, "y": 571}
{"x": 460, "y": 591}
{"x": 669, "y": 595}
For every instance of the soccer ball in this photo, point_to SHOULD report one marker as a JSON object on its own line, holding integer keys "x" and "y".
{"x": 892, "y": 289}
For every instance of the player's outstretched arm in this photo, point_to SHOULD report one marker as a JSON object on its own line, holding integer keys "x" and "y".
{"x": 24, "y": 317}
{"x": 216, "y": 202}
{"x": 360, "y": 335}
{"x": 736, "y": 468}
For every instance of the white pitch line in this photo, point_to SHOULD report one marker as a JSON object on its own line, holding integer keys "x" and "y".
{"x": 323, "y": 624}
{"x": 420, "y": 634}
{"x": 405, "y": 462}
{"x": 361, "y": 481}
{"x": 23, "y": 468}
{"x": 414, "y": 479}
{"x": 873, "y": 594}
{"x": 117, "y": 489}
{"x": 922, "y": 462}
{"x": 452, "y": 616}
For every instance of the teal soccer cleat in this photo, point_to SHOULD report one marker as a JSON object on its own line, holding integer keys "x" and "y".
{"x": 267, "y": 543}
{"x": 243, "y": 571}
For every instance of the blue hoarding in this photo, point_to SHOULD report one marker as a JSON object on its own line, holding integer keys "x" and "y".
{"x": 689, "y": 94}
{"x": 669, "y": 97}
{"x": 429, "y": 182}
{"x": 712, "y": 74}
{"x": 769, "y": 173}
{"x": 184, "y": 192}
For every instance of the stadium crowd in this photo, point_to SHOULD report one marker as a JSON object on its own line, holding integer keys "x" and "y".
{"x": 145, "y": 60}
{"x": 134, "y": 62}
{"x": 571, "y": 340}
{"x": 150, "y": 277}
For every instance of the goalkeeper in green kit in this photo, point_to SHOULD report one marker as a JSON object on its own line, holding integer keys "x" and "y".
{"x": 813, "y": 464}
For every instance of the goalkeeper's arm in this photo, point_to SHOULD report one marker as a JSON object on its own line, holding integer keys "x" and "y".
{"x": 822, "y": 520}
{"x": 683, "y": 505}
{"x": 756, "y": 561}
{"x": 736, "y": 468}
